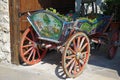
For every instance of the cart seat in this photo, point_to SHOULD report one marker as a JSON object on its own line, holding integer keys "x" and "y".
{"x": 48, "y": 26}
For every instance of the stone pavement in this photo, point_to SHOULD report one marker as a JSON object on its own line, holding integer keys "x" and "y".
{"x": 98, "y": 68}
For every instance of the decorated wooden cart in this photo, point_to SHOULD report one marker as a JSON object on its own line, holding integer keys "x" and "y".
{"x": 49, "y": 31}
{"x": 72, "y": 39}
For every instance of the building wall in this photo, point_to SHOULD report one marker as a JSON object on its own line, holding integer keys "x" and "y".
{"x": 5, "y": 55}
{"x": 5, "y": 52}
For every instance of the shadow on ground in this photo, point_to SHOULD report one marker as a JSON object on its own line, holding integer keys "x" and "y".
{"x": 97, "y": 58}
{"x": 54, "y": 57}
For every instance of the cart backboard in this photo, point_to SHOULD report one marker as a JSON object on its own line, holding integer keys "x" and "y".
{"x": 48, "y": 26}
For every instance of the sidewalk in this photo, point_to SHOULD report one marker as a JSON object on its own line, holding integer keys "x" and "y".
{"x": 98, "y": 68}
{"x": 10, "y": 72}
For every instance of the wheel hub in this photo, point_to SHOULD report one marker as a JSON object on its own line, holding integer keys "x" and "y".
{"x": 35, "y": 45}
{"x": 79, "y": 55}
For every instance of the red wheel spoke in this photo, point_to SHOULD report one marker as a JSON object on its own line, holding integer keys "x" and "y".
{"x": 38, "y": 52}
{"x": 112, "y": 52}
{"x": 29, "y": 39}
{"x": 34, "y": 53}
{"x": 33, "y": 36}
{"x": 82, "y": 41}
{"x": 81, "y": 62}
{"x": 72, "y": 66}
{"x": 79, "y": 65}
{"x": 29, "y": 45}
{"x": 30, "y": 55}
{"x": 84, "y": 47}
{"x": 69, "y": 62}
{"x": 75, "y": 68}
{"x": 28, "y": 50}
{"x": 76, "y": 54}
{"x": 74, "y": 44}
{"x": 72, "y": 50}
{"x": 78, "y": 42}
{"x": 70, "y": 57}
{"x": 84, "y": 52}
{"x": 41, "y": 49}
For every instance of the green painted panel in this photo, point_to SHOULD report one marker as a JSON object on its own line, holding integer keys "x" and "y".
{"x": 48, "y": 26}
{"x": 89, "y": 24}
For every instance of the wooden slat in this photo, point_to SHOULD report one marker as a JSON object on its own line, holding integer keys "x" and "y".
{"x": 14, "y": 30}
{"x": 25, "y": 6}
{"x": 19, "y": 24}
{"x": 29, "y": 5}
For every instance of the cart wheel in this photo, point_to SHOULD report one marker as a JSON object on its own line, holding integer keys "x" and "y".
{"x": 112, "y": 47}
{"x": 76, "y": 54}
{"x": 30, "y": 52}
{"x": 112, "y": 52}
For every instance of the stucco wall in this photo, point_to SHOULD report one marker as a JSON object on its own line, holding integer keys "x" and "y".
{"x": 5, "y": 56}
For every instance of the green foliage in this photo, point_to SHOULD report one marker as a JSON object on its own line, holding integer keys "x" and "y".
{"x": 86, "y": 26}
{"x": 54, "y": 11}
{"x": 116, "y": 2}
{"x": 113, "y": 6}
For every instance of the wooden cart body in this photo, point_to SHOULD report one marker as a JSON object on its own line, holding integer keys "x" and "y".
{"x": 72, "y": 39}
{"x": 48, "y": 31}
